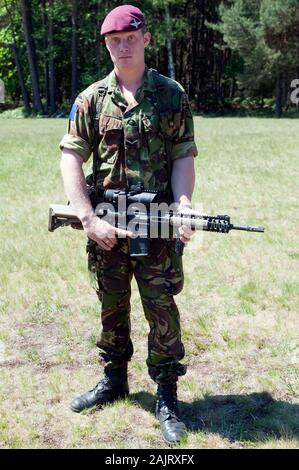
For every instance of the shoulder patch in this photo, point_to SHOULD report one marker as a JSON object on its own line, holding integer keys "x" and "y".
{"x": 73, "y": 112}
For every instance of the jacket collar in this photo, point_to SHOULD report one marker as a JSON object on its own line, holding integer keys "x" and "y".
{"x": 147, "y": 86}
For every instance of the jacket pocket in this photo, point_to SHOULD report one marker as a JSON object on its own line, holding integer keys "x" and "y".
{"x": 168, "y": 264}
{"x": 95, "y": 266}
{"x": 175, "y": 273}
{"x": 111, "y": 138}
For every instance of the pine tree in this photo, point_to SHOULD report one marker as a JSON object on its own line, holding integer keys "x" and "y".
{"x": 265, "y": 35}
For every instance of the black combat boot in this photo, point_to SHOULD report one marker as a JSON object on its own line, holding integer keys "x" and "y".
{"x": 114, "y": 385}
{"x": 172, "y": 428}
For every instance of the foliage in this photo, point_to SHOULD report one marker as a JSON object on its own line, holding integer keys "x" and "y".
{"x": 265, "y": 35}
{"x": 221, "y": 50}
{"x": 7, "y": 66}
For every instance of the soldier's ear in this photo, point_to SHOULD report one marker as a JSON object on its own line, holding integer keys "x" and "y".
{"x": 147, "y": 38}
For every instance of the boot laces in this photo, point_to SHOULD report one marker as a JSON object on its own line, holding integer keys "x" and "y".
{"x": 104, "y": 381}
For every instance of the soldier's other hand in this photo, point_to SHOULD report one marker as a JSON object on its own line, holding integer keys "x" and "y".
{"x": 185, "y": 231}
{"x": 105, "y": 234}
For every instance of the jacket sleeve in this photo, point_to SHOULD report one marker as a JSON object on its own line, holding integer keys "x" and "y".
{"x": 79, "y": 136}
{"x": 183, "y": 144}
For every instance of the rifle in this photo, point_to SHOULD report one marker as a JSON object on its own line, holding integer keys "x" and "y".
{"x": 148, "y": 213}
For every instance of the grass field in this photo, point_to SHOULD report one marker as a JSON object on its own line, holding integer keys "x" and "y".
{"x": 239, "y": 308}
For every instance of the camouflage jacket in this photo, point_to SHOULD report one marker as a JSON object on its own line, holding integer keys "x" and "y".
{"x": 131, "y": 141}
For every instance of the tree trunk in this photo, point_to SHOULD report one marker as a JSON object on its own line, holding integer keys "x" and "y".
{"x": 285, "y": 92}
{"x": 98, "y": 42}
{"x": 45, "y": 51}
{"x": 171, "y": 71}
{"x": 15, "y": 53}
{"x": 278, "y": 96}
{"x": 197, "y": 44}
{"x": 52, "y": 82}
{"x": 30, "y": 46}
{"x": 13, "y": 48}
{"x": 74, "y": 50}
{"x": 21, "y": 77}
{"x": 232, "y": 87}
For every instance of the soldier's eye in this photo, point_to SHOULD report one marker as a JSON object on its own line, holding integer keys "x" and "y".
{"x": 114, "y": 41}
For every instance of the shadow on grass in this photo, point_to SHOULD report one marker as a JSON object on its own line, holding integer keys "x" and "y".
{"x": 253, "y": 417}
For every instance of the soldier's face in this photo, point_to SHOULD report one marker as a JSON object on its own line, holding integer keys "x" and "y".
{"x": 127, "y": 49}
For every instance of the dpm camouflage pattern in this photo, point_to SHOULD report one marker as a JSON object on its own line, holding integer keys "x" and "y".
{"x": 131, "y": 151}
{"x": 159, "y": 277}
{"x": 131, "y": 144}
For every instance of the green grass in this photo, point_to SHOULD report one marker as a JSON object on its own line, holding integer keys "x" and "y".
{"x": 239, "y": 308}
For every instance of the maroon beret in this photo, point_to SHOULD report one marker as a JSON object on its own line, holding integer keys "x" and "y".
{"x": 123, "y": 18}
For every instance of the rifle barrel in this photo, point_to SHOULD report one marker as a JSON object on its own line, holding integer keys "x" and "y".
{"x": 247, "y": 228}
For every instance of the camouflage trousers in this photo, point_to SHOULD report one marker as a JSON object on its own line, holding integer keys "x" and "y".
{"x": 159, "y": 277}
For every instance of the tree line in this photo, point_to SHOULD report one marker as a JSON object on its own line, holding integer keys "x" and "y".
{"x": 224, "y": 52}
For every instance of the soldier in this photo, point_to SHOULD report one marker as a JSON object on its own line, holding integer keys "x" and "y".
{"x": 139, "y": 111}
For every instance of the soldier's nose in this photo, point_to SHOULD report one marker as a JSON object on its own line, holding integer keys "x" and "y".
{"x": 124, "y": 47}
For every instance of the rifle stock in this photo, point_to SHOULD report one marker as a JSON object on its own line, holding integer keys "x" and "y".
{"x": 62, "y": 216}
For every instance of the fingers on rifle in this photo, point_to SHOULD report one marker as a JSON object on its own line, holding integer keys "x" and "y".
{"x": 184, "y": 239}
{"x": 110, "y": 242}
{"x": 185, "y": 232}
{"x": 104, "y": 245}
{"x": 123, "y": 233}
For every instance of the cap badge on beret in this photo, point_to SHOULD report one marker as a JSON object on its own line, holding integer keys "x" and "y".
{"x": 135, "y": 23}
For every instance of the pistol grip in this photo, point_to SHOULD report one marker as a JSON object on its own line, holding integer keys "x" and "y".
{"x": 179, "y": 247}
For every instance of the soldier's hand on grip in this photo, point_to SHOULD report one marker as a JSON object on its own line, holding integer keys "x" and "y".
{"x": 104, "y": 234}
